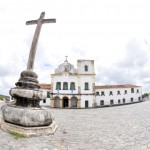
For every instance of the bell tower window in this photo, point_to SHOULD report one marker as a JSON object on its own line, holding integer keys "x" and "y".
{"x": 86, "y": 86}
{"x": 86, "y": 67}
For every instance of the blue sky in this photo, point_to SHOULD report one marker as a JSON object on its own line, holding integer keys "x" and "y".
{"x": 114, "y": 33}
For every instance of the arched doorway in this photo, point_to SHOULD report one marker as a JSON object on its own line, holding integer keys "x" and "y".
{"x": 65, "y": 102}
{"x": 57, "y": 102}
{"x": 74, "y": 102}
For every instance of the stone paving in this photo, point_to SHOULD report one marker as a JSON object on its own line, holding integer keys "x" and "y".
{"x": 113, "y": 128}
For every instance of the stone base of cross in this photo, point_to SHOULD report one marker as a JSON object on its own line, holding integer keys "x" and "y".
{"x": 26, "y": 115}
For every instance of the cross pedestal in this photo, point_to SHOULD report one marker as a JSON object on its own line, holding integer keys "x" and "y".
{"x": 25, "y": 115}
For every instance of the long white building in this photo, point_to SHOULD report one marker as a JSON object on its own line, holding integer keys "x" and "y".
{"x": 75, "y": 88}
{"x": 117, "y": 94}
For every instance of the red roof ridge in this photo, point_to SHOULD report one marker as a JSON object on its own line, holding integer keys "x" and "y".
{"x": 116, "y": 86}
{"x": 45, "y": 86}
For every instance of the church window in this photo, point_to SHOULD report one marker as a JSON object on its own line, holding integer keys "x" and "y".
{"x": 102, "y": 93}
{"x": 72, "y": 86}
{"x": 132, "y": 90}
{"x": 118, "y": 93}
{"x": 58, "y": 86}
{"x": 137, "y": 90}
{"x": 111, "y": 93}
{"x": 48, "y": 94}
{"x": 125, "y": 92}
{"x": 86, "y": 86}
{"x": 65, "y": 86}
{"x": 44, "y": 101}
{"x": 131, "y": 99}
{"x": 86, "y": 68}
{"x": 118, "y": 101}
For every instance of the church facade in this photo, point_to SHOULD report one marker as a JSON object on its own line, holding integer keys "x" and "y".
{"x": 75, "y": 88}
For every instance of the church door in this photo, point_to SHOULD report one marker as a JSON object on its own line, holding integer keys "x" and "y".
{"x": 124, "y": 101}
{"x": 86, "y": 104}
{"x": 65, "y": 102}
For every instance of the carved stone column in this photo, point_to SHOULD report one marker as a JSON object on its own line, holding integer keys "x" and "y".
{"x": 69, "y": 100}
{"x": 61, "y": 103}
{"x": 52, "y": 103}
{"x": 79, "y": 103}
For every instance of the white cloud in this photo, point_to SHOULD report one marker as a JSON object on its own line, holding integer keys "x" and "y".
{"x": 91, "y": 29}
{"x": 132, "y": 69}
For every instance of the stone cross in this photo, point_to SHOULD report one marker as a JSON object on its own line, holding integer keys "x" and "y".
{"x": 39, "y": 23}
{"x": 66, "y": 57}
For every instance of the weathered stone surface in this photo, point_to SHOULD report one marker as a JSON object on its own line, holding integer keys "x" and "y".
{"x": 29, "y": 131}
{"x": 27, "y": 93}
{"x": 28, "y": 117}
{"x": 28, "y": 79}
{"x": 26, "y": 114}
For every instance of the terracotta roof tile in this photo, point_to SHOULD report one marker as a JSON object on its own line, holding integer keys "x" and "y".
{"x": 116, "y": 86}
{"x": 45, "y": 86}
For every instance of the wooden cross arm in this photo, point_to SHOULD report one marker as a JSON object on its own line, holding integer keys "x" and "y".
{"x": 31, "y": 22}
{"x": 43, "y": 21}
{"x": 49, "y": 21}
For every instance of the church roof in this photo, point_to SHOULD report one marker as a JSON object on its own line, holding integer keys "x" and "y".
{"x": 66, "y": 67}
{"x": 45, "y": 86}
{"x": 116, "y": 86}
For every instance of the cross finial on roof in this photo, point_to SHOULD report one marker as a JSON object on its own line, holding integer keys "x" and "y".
{"x": 66, "y": 58}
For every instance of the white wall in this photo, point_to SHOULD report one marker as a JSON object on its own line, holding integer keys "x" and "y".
{"x": 65, "y": 78}
{"x": 86, "y": 77}
{"x": 90, "y": 80}
{"x": 116, "y": 97}
{"x": 81, "y": 66}
{"x": 88, "y": 98}
{"x": 47, "y": 102}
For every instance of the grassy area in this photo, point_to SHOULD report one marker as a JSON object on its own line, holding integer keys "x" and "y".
{"x": 17, "y": 135}
{"x": 1, "y": 98}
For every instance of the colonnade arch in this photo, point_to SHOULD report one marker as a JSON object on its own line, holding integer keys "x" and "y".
{"x": 74, "y": 102}
{"x": 65, "y": 102}
{"x": 57, "y": 102}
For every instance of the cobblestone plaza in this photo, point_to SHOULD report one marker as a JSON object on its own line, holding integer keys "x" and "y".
{"x": 111, "y": 128}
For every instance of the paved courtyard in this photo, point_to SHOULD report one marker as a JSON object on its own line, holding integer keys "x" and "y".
{"x": 112, "y": 128}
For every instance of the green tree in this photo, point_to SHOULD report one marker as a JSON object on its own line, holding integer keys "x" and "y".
{"x": 1, "y": 98}
{"x": 145, "y": 95}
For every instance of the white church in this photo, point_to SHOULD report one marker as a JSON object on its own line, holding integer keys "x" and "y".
{"x": 75, "y": 88}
